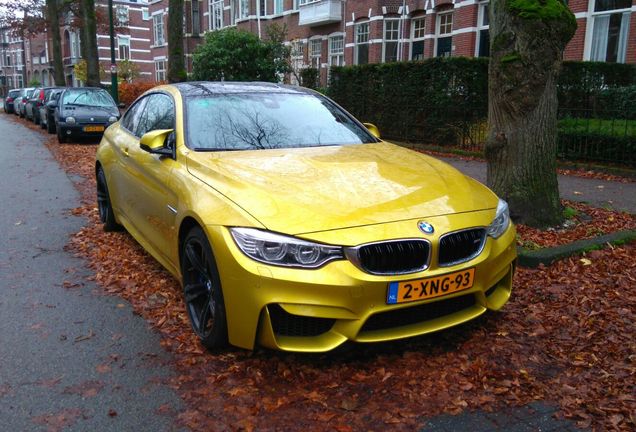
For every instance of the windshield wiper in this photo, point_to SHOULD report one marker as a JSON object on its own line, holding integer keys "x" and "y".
{"x": 214, "y": 149}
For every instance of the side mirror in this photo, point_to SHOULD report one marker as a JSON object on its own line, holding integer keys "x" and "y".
{"x": 52, "y": 104}
{"x": 154, "y": 142}
{"x": 373, "y": 129}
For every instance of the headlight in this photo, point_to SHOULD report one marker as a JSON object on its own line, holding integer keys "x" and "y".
{"x": 501, "y": 221}
{"x": 112, "y": 119}
{"x": 70, "y": 120}
{"x": 280, "y": 250}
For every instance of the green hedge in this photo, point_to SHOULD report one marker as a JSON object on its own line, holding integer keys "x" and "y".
{"x": 414, "y": 100}
{"x": 444, "y": 101}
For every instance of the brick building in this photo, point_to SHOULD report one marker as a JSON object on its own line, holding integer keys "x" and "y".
{"x": 322, "y": 33}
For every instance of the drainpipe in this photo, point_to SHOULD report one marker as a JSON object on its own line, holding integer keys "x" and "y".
{"x": 258, "y": 17}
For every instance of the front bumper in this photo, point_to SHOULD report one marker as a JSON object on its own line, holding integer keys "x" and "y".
{"x": 80, "y": 129}
{"x": 317, "y": 310}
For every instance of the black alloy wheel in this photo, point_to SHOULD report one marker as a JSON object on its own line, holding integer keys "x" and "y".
{"x": 106, "y": 214}
{"x": 202, "y": 290}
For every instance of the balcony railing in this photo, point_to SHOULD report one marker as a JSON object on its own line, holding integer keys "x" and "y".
{"x": 319, "y": 12}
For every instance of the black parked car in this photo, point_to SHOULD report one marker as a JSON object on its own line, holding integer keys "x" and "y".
{"x": 8, "y": 101}
{"x": 83, "y": 112}
{"x": 46, "y": 111}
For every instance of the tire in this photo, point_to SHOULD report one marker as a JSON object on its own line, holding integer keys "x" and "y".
{"x": 50, "y": 125}
{"x": 61, "y": 138}
{"x": 36, "y": 119}
{"x": 42, "y": 125}
{"x": 106, "y": 214}
{"x": 202, "y": 291}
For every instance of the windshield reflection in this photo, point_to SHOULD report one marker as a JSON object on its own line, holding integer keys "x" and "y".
{"x": 268, "y": 121}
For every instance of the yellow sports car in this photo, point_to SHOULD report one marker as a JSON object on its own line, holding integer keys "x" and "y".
{"x": 292, "y": 225}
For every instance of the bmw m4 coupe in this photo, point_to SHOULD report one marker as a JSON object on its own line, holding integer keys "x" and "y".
{"x": 293, "y": 226}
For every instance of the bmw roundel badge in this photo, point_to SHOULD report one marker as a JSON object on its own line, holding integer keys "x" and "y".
{"x": 425, "y": 227}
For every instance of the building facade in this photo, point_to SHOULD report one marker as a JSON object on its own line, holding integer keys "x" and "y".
{"x": 321, "y": 33}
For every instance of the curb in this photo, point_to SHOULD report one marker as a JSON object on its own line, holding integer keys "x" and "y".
{"x": 546, "y": 256}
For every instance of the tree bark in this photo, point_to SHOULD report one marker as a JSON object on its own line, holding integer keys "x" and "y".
{"x": 527, "y": 40}
{"x": 53, "y": 21}
{"x": 176, "y": 61}
{"x": 87, "y": 8}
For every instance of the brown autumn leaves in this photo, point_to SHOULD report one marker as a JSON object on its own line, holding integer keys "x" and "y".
{"x": 566, "y": 337}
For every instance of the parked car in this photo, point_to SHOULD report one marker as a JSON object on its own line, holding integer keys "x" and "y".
{"x": 21, "y": 100}
{"x": 292, "y": 225}
{"x": 16, "y": 102}
{"x": 46, "y": 112}
{"x": 32, "y": 108}
{"x": 83, "y": 112}
{"x": 8, "y": 101}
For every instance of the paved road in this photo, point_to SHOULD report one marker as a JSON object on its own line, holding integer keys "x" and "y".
{"x": 68, "y": 356}
{"x": 599, "y": 193}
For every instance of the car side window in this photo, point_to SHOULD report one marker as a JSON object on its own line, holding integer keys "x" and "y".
{"x": 133, "y": 115}
{"x": 158, "y": 114}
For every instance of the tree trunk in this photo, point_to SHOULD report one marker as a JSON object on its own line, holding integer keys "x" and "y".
{"x": 527, "y": 41}
{"x": 87, "y": 8}
{"x": 176, "y": 61}
{"x": 53, "y": 21}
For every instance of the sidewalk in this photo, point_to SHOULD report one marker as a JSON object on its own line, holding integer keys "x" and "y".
{"x": 598, "y": 193}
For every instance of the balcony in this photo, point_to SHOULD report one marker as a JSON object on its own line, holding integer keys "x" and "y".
{"x": 319, "y": 12}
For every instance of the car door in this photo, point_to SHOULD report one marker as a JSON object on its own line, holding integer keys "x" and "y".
{"x": 117, "y": 174}
{"x": 151, "y": 199}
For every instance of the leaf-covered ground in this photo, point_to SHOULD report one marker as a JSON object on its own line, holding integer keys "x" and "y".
{"x": 567, "y": 337}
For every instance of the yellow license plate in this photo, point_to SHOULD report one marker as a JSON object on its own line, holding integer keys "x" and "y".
{"x": 420, "y": 289}
{"x": 93, "y": 128}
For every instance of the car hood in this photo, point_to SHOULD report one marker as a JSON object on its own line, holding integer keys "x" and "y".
{"x": 300, "y": 191}
{"x": 85, "y": 112}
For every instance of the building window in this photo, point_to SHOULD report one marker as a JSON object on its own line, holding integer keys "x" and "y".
{"x": 278, "y": 7}
{"x": 262, "y": 7}
{"x": 160, "y": 70}
{"x": 157, "y": 25}
{"x": 123, "y": 43}
{"x": 216, "y": 14}
{"x": 122, "y": 15}
{"x": 196, "y": 18}
{"x": 418, "y": 30}
{"x": 483, "y": 34}
{"x": 444, "y": 34}
{"x": 610, "y": 29}
{"x": 336, "y": 51}
{"x": 145, "y": 14}
{"x": 297, "y": 60}
{"x": 315, "y": 52}
{"x": 244, "y": 8}
{"x": 391, "y": 39}
{"x": 362, "y": 43}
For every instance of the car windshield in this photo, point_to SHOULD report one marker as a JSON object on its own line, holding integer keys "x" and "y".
{"x": 268, "y": 121}
{"x": 88, "y": 97}
{"x": 13, "y": 93}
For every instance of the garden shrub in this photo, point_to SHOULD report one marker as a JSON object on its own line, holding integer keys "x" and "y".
{"x": 128, "y": 92}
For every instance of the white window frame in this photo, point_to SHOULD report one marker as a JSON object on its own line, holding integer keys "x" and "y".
{"x": 215, "y": 14}
{"x": 593, "y": 16}
{"x": 244, "y": 9}
{"x": 315, "y": 55}
{"x": 122, "y": 11}
{"x": 145, "y": 14}
{"x": 279, "y": 7}
{"x": 391, "y": 35}
{"x": 126, "y": 43}
{"x": 438, "y": 29}
{"x": 161, "y": 73}
{"x": 158, "y": 29}
{"x": 361, "y": 38}
{"x": 418, "y": 34}
{"x": 483, "y": 23}
{"x": 297, "y": 58}
{"x": 336, "y": 50}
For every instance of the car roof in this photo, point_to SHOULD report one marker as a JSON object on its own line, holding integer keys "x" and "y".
{"x": 203, "y": 88}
